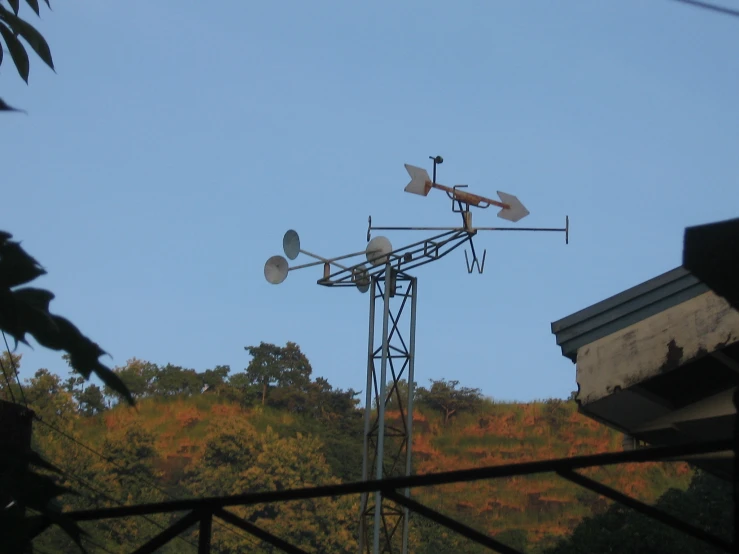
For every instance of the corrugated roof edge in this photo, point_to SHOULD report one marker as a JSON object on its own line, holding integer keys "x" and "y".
{"x": 625, "y": 308}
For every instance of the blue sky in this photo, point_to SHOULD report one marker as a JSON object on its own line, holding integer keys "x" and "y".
{"x": 159, "y": 167}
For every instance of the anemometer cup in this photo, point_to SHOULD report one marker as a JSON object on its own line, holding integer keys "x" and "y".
{"x": 291, "y": 244}
{"x": 275, "y": 270}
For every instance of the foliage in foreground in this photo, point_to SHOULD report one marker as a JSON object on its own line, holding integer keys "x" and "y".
{"x": 12, "y": 29}
{"x": 186, "y": 440}
{"x": 24, "y": 311}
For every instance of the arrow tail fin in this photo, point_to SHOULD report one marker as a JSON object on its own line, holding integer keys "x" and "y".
{"x": 420, "y": 180}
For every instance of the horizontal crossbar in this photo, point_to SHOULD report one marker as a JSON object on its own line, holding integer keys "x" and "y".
{"x": 457, "y": 476}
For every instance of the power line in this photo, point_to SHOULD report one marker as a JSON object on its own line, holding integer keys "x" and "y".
{"x": 100, "y": 492}
{"x": 105, "y": 495}
{"x": 97, "y": 491}
{"x": 7, "y": 381}
{"x": 137, "y": 477}
{"x": 84, "y": 536}
{"x": 712, "y": 7}
{"x": 15, "y": 369}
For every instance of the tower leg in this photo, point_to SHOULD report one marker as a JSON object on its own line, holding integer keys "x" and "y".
{"x": 388, "y": 417}
{"x": 409, "y": 405}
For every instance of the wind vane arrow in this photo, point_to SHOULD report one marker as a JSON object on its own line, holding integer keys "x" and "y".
{"x": 421, "y": 183}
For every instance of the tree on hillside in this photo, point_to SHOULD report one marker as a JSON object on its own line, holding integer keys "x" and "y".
{"x": 449, "y": 398}
{"x": 707, "y": 503}
{"x": 8, "y": 385}
{"x": 554, "y": 412}
{"x": 400, "y": 392}
{"x": 237, "y": 457}
{"x": 171, "y": 380}
{"x": 215, "y": 378}
{"x": 273, "y": 365}
{"x": 138, "y": 375}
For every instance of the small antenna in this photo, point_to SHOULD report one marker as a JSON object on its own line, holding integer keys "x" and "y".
{"x": 437, "y": 160}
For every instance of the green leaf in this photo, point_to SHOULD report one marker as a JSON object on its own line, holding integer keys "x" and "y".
{"x": 34, "y": 6}
{"x": 113, "y": 381}
{"x": 17, "y": 267}
{"x": 30, "y": 34}
{"x": 32, "y": 313}
{"x": 6, "y": 107}
{"x": 38, "y": 299}
{"x": 10, "y": 322}
{"x": 15, "y": 4}
{"x": 17, "y": 52}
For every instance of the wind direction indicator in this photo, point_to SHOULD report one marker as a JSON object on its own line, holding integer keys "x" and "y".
{"x": 510, "y": 206}
{"x": 383, "y": 270}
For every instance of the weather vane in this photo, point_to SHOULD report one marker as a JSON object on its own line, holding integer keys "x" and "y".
{"x": 379, "y": 251}
{"x": 381, "y": 271}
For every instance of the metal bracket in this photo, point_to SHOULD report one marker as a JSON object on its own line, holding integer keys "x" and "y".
{"x": 475, "y": 262}
{"x": 461, "y": 209}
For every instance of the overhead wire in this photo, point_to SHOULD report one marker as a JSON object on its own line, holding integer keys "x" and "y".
{"x": 7, "y": 381}
{"x": 248, "y": 538}
{"x": 85, "y": 483}
{"x": 85, "y": 534}
{"x": 711, "y": 7}
{"x": 101, "y": 493}
{"x": 15, "y": 370}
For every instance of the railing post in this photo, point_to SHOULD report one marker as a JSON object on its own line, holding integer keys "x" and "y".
{"x": 204, "y": 535}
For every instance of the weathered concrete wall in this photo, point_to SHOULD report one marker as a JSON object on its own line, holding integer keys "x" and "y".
{"x": 655, "y": 345}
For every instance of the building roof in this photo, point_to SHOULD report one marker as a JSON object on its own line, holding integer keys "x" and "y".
{"x": 711, "y": 252}
{"x": 625, "y": 308}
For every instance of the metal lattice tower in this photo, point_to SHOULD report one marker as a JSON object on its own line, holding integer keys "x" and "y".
{"x": 390, "y": 360}
{"x": 388, "y": 417}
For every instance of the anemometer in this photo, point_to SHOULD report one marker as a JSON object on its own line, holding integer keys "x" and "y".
{"x": 379, "y": 251}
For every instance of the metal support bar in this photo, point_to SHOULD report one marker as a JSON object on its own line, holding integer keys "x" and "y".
{"x": 645, "y": 509}
{"x": 651, "y": 454}
{"x": 387, "y": 445}
{"x": 450, "y": 523}
{"x": 389, "y": 489}
{"x": 416, "y": 254}
{"x": 409, "y": 407}
{"x": 204, "y": 534}
{"x": 169, "y": 533}
{"x": 380, "y": 457}
{"x": 367, "y": 414}
{"x": 235, "y": 520}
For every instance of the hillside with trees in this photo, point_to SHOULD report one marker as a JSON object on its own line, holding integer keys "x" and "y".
{"x": 275, "y": 426}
